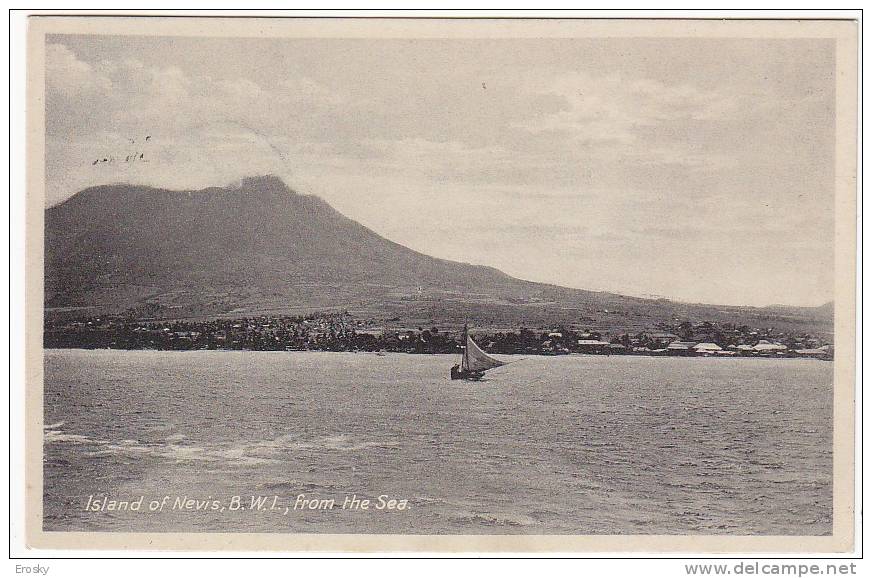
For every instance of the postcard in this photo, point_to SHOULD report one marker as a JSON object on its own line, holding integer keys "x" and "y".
{"x": 441, "y": 285}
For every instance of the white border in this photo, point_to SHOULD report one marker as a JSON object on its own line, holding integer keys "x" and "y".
{"x": 16, "y": 319}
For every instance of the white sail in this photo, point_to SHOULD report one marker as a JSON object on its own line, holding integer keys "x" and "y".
{"x": 474, "y": 359}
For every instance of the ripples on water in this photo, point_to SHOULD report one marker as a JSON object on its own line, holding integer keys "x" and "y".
{"x": 550, "y": 445}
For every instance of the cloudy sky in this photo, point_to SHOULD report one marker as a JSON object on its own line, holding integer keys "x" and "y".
{"x": 694, "y": 169}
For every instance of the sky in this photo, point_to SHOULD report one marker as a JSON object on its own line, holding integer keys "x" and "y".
{"x": 700, "y": 170}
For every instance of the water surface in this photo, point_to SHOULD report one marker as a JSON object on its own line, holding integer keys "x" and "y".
{"x": 548, "y": 445}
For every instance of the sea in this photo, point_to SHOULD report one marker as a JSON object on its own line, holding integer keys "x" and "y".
{"x": 241, "y": 441}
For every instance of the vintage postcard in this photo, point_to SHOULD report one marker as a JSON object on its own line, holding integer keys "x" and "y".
{"x": 441, "y": 285}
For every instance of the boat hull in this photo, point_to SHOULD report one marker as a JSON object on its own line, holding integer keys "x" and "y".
{"x": 457, "y": 373}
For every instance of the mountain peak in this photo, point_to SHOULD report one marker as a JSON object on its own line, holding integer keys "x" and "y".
{"x": 216, "y": 249}
{"x": 258, "y": 246}
{"x": 264, "y": 183}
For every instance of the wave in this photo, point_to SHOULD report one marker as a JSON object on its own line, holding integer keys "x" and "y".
{"x": 493, "y": 519}
{"x": 473, "y": 513}
{"x": 51, "y": 434}
{"x": 335, "y": 442}
{"x": 177, "y": 448}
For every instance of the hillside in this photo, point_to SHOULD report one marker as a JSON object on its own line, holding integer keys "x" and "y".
{"x": 261, "y": 248}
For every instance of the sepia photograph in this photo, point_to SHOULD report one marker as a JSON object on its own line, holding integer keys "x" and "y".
{"x": 444, "y": 285}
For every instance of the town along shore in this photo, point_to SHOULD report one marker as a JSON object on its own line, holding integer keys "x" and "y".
{"x": 343, "y": 332}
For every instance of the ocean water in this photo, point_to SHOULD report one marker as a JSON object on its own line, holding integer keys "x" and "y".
{"x": 547, "y": 445}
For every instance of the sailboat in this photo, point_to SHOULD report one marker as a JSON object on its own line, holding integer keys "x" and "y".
{"x": 474, "y": 362}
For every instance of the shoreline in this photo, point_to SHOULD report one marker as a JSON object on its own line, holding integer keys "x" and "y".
{"x": 385, "y": 353}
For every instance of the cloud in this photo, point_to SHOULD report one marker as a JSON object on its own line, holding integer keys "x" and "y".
{"x": 204, "y": 130}
{"x": 305, "y": 90}
{"x": 633, "y": 119}
{"x": 542, "y": 130}
{"x": 66, "y": 75}
{"x": 602, "y": 156}
{"x": 134, "y": 95}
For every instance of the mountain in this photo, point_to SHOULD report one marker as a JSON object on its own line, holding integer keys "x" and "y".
{"x": 261, "y": 248}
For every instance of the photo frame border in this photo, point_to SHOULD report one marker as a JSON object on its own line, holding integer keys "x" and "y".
{"x": 846, "y": 34}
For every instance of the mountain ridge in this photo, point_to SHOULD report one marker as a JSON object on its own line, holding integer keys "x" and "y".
{"x": 260, "y": 246}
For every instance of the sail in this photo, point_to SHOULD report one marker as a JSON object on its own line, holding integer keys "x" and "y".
{"x": 474, "y": 359}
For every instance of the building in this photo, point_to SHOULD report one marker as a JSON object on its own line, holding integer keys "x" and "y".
{"x": 375, "y": 332}
{"x": 659, "y": 339}
{"x": 680, "y": 348}
{"x": 591, "y": 345}
{"x": 817, "y": 353}
{"x": 707, "y": 348}
{"x": 765, "y": 347}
